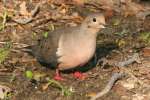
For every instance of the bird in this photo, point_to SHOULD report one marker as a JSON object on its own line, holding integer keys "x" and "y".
{"x": 69, "y": 47}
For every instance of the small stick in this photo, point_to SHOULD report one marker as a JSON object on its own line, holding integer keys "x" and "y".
{"x": 28, "y": 20}
{"x": 5, "y": 74}
{"x": 3, "y": 70}
{"x": 110, "y": 84}
{"x": 135, "y": 58}
{"x": 23, "y": 21}
{"x": 35, "y": 10}
{"x": 15, "y": 43}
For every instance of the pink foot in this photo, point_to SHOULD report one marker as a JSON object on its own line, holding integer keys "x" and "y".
{"x": 58, "y": 76}
{"x": 79, "y": 75}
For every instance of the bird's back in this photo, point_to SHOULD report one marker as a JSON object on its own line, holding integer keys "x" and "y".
{"x": 45, "y": 49}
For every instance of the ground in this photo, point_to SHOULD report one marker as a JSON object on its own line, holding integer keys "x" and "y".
{"x": 122, "y": 37}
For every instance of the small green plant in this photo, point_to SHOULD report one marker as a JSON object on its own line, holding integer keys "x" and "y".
{"x": 123, "y": 32}
{"x": 13, "y": 77}
{"x": 4, "y": 52}
{"x": 64, "y": 90}
{"x": 29, "y": 74}
{"x": 34, "y": 35}
{"x": 4, "y": 17}
{"x": 116, "y": 22}
{"x": 51, "y": 27}
{"x": 45, "y": 34}
{"x": 145, "y": 36}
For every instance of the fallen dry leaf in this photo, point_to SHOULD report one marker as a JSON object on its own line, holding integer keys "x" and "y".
{"x": 109, "y": 13}
{"x": 108, "y": 4}
{"x": 122, "y": 91}
{"x": 23, "y": 9}
{"x": 146, "y": 52}
{"x": 138, "y": 96}
{"x": 45, "y": 86}
{"x": 3, "y": 91}
{"x": 129, "y": 84}
{"x": 79, "y": 2}
{"x": 146, "y": 63}
{"x": 131, "y": 8}
{"x": 91, "y": 94}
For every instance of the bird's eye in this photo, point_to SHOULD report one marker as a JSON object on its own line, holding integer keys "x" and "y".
{"x": 94, "y": 19}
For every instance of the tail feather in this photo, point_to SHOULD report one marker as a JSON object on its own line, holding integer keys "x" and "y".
{"x": 28, "y": 49}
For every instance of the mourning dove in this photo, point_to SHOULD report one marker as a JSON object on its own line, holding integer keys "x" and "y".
{"x": 69, "y": 47}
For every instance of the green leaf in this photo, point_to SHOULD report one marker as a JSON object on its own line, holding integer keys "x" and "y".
{"x": 123, "y": 32}
{"x": 29, "y": 74}
{"x": 45, "y": 34}
{"x": 64, "y": 90}
{"x": 4, "y": 52}
{"x": 116, "y": 22}
{"x": 145, "y": 36}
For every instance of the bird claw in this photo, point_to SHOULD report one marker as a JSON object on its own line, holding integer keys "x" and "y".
{"x": 79, "y": 75}
{"x": 58, "y": 78}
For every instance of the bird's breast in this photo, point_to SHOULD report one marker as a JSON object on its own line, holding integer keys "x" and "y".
{"x": 77, "y": 54}
{"x": 86, "y": 52}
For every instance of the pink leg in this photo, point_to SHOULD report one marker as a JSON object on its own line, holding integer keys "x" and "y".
{"x": 79, "y": 75}
{"x": 58, "y": 76}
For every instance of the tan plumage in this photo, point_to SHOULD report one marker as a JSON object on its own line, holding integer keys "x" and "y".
{"x": 70, "y": 47}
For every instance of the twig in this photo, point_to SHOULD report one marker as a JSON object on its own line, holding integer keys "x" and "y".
{"x": 20, "y": 44}
{"x": 35, "y": 10}
{"x": 135, "y": 58}
{"x": 23, "y": 21}
{"x": 28, "y": 20}
{"x": 110, "y": 84}
{"x": 3, "y": 70}
{"x": 143, "y": 15}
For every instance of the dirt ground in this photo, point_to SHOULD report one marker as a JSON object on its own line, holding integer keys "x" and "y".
{"x": 122, "y": 37}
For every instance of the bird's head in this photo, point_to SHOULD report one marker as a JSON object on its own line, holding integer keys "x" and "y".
{"x": 94, "y": 22}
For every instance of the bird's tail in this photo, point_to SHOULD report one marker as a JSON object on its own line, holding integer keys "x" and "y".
{"x": 28, "y": 49}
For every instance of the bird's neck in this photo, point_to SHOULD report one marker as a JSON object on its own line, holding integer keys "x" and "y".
{"x": 89, "y": 30}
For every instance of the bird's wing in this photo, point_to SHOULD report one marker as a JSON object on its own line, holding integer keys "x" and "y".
{"x": 45, "y": 49}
